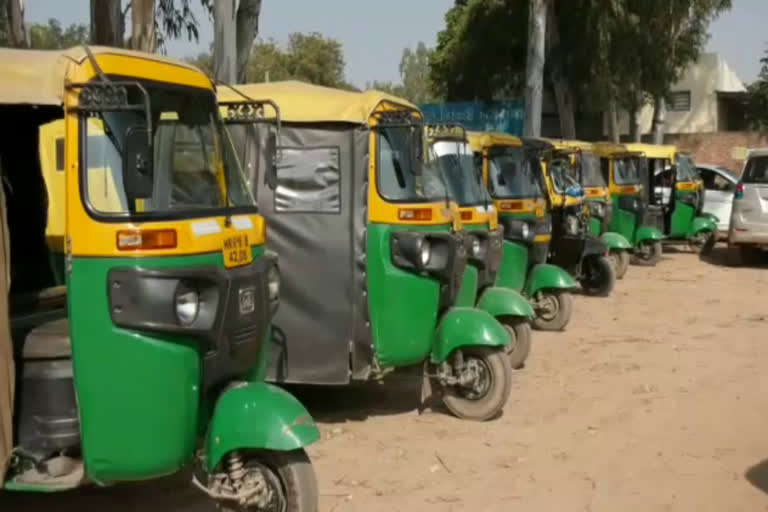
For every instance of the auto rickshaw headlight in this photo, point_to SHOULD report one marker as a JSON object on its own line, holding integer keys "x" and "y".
{"x": 572, "y": 225}
{"x": 187, "y": 302}
{"x": 525, "y": 230}
{"x": 425, "y": 252}
{"x": 273, "y": 283}
{"x": 476, "y": 247}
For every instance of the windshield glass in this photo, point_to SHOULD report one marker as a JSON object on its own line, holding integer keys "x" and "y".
{"x": 191, "y": 155}
{"x": 626, "y": 171}
{"x": 403, "y": 175}
{"x": 562, "y": 173}
{"x": 590, "y": 171}
{"x": 463, "y": 178}
{"x": 686, "y": 172}
{"x": 513, "y": 174}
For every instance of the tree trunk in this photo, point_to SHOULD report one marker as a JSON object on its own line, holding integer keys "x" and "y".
{"x": 143, "y": 37}
{"x": 634, "y": 125}
{"x": 534, "y": 66}
{"x": 107, "y": 23}
{"x": 224, "y": 44}
{"x": 659, "y": 118}
{"x": 17, "y": 35}
{"x": 247, "y": 30}
{"x": 560, "y": 85}
{"x": 613, "y": 121}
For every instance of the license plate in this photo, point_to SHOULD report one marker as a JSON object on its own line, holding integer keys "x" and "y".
{"x": 237, "y": 251}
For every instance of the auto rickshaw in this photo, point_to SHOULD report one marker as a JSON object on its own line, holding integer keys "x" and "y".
{"x": 513, "y": 179}
{"x": 578, "y": 158}
{"x": 631, "y": 215}
{"x": 683, "y": 220}
{"x": 370, "y": 246}
{"x": 449, "y": 146}
{"x": 138, "y": 292}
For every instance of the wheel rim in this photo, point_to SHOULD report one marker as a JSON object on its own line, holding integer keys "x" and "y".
{"x": 478, "y": 385}
{"x": 275, "y": 501}
{"x": 645, "y": 252}
{"x": 549, "y": 307}
{"x": 512, "y": 338}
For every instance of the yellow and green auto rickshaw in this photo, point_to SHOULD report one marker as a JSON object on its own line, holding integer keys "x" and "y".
{"x": 514, "y": 180}
{"x": 579, "y": 160}
{"x": 140, "y": 298}
{"x": 370, "y": 246}
{"x": 449, "y": 147}
{"x": 683, "y": 220}
{"x": 631, "y": 215}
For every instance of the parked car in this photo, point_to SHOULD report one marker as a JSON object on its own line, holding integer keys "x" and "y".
{"x": 748, "y": 232}
{"x": 719, "y": 187}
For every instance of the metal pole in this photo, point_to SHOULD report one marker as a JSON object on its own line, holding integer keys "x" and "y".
{"x": 224, "y": 46}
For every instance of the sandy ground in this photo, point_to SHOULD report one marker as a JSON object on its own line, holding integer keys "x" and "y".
{"x": 654, "y": 399}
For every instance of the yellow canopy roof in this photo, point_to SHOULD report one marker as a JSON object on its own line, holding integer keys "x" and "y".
{"x": 571, "y": 144}
{"x": 36, "y": 77}
{"x": 480, "y": 140}
{"x": 654, "y": 150}
{"x": 300, "y": 102}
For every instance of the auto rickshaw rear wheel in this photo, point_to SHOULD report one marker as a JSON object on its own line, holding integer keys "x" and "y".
{"x": 648, "y": 253}
{"x": 702, "y": 243}
{"x": 479, "y": 383}
{"x": 519, "y": 348}
{"x": 598, "y": 276}
{"x": 553, "y": 310}
{"x": 620, "y": 260}
{"x": 280, "y": 481}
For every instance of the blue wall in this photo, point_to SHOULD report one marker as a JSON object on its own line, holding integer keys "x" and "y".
{"x": 496, "y": 116}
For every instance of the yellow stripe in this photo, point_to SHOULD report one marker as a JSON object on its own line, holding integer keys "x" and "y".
{"x": 687, "y": 186}
{"x": 542, "y": 238}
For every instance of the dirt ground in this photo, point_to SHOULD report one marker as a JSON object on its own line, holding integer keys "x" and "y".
{"x": 654, "y": 399}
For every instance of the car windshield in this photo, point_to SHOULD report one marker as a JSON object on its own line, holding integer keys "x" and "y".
{"x": 462, "y": 177}
{"x": 191, "y": 152}
{"x": 626, "y": 171}
{"x": 590, "y": 171}
{"x": 756, "y": 170}
{"x": 686, "y": 171}
{"x": 562, "y": 173}
{"x": 403, "y": 173}
{"x": 514, "y": 174}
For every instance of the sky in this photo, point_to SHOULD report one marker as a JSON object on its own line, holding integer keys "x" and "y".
{"x": 374, "y": 34}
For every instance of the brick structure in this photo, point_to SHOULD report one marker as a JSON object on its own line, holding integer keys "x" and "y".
{"x": 721, "y": 148}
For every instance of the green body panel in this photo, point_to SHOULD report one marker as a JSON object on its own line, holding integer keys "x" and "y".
{"x": 682, "y": 220}
{"x": 468, "y": 290}
{"x": 648, "y": 234}
{"x": 624, "y": 222}
{"x": 257, "y": 415}
{"x": 514, "y": 266}
{"x": 615, "y": 241}
{"x": 545, "y": 276}
{"x": 460, "y": 327}
{"x": 703, "y": 224}
{"x": 403, "y": 305}
{"x": 138, "y": 393}
{"x": 595, "y": 226}
{"x": 504, "y": 302}
{"x": 19, "y": 487}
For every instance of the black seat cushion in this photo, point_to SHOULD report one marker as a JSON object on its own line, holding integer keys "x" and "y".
{"x": 48, "y": 341}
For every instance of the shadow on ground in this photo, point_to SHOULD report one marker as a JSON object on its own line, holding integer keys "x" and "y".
{"x": 757, "y": 475}
{"x": 719, "y": 257}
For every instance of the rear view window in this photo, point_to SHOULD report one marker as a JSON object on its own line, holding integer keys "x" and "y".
{"x": 756, "y": 170}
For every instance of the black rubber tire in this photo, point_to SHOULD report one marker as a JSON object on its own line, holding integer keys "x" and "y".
{"x": 564, "y": 310}
{"x": 708, "y": 245}
{"x": 620, "y": 259}
{"x": 519, "y": 331}
{"x": 295, "y": 472}
{"x": 493, "y": 402}
{"x": 653, "y": 256}
{"x": 599, "y": 276}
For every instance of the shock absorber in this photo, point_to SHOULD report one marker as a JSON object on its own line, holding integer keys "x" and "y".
{"x": 235, "y": 467}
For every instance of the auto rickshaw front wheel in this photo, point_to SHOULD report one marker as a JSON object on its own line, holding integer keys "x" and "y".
{"x": 620, "y": 261}
{"x": 553, "y": 310}
{"x": 519, "y": 348}
{"x": 476, "y": 382}
{"x": 266, "y": 481}
{"x": 648, "y": 253}
{"x": 598, "y": 276}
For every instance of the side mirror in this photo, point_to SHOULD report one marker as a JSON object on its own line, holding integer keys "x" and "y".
{"x": 270, "y": 148}
{"x": 138, "y": 172}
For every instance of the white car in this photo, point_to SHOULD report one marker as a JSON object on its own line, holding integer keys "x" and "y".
{"x": 719, "y": 187}
{"x": 748, "y": 232}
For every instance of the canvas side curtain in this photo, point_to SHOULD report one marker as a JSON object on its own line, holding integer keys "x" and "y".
{"x": 7, "y": 376}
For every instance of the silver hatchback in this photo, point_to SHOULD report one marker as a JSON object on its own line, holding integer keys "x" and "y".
{"x": 748, "y": 231}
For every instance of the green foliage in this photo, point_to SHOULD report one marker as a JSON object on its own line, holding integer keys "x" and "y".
{"x": 53, "y": 35}
{"x": 757, "y": 99}
{"x": 173, "y": 20}
{"x": 416, "y": 83}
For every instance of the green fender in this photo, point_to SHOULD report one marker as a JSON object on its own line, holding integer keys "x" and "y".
{"x": 504, "y": 302}
{"x": 461, "y": 327}
{"x": 649, "y": 234}
{"x": 257, "y": 415}
{"x": 615, "y": 241}
{"x": 704, "y": 223}
{"x": 545, "y": 276}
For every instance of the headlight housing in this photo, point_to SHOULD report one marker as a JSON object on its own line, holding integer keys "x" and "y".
{"x": 425, "y": 253}
{"x": 273, "y": 283}
{"x": 571, "y": 225}
{"x": 186, "y": 303}
{"x": 477, "y": 247}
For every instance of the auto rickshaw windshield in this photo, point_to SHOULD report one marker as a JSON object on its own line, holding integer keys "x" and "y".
{"x": 686, "y": 171}
{"x": 404, "y": 175}
{"x": 514, "y": 174}
{"x": 590, "y": 171}
{"x": 626, "y": 171}
{"x": 192, "y": 153}
{"x": 562, "y": 171}
{"x": 462, "y": 178}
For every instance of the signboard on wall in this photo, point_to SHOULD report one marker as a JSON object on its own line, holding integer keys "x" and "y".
{"x": 495, "y": 116}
